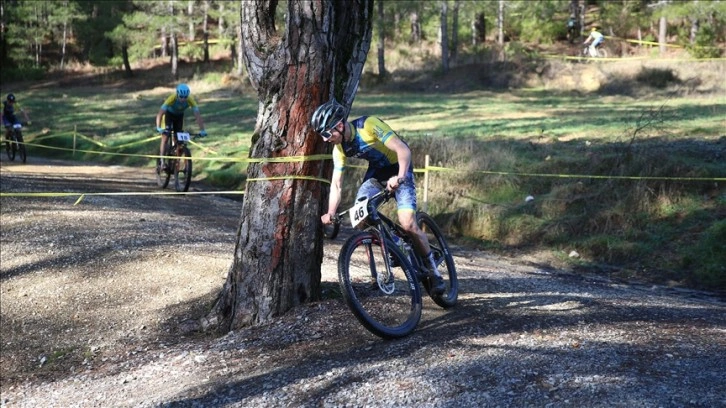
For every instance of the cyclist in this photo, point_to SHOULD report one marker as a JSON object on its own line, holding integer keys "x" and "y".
{"x": 571, "y": 28}
{"x": 173, "y": 112}
{"x": 597, "y": 38}
{"x": 10, "y": 105}
{"x": 389, "y": 159}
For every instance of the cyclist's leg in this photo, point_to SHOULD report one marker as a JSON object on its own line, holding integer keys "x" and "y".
{"x": 406, "y": 206}
{"x": 406, "y": 200}
{"x": 596, "y": 45}
{"x": 8, "y": 127}
{"x": 369, "y": 188}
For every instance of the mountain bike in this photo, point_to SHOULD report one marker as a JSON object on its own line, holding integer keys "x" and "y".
{"x": 379, "y": 271}
{"x": 14, "y": 143}
{"x": 600, "y": 52}
{"x": 178, "y": 160}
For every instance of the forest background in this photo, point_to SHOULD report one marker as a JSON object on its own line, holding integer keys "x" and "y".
{"x": 624, "y": 157}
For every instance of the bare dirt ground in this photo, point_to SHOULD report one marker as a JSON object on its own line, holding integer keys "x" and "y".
{"x": 94, "y": 297}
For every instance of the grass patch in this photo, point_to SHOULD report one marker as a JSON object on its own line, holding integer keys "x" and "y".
{"x": 612, "y": 175}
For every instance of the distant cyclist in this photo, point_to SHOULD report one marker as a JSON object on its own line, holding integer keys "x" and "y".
{"x": 597, "y": 38}
{"x": 389, "y": 161}
{"x": 172, "y": 110}
{"x": 10, "y": 106}
{"x": 571, "y": 28}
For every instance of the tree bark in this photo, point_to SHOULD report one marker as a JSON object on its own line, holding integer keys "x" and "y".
{"x": 174, "y": 56}
{"x": 444, "y": 37}
{"x": 415, "y": 27}
{"x": 278, "y": 254}
{"x": 455, "y": 31}
{"x": 500, "y": 22}
{"x": 662, "y": 34}
{"x": 190, "y": 13}
{"x": 205, "y": 30}
{"x": 381, "y": 42}
{"x": 127, "y": 63}
{"x": 479, "y": 29}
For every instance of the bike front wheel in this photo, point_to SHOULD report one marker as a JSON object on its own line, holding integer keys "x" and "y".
{"x": 21, "y": 147}
{"x": 162, "y": 176}
{"x": 385, "y": 299}
{"x": 183, "y": 170}
{"x": 444, "y": 261}
{"x": 10, "y": 148}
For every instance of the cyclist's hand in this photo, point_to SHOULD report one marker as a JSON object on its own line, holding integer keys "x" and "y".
{"x": 159, "y": 130}
{"x": 203, "y": 133}
{"x": 393, "y": 183}
{"x": 326, "y": 219}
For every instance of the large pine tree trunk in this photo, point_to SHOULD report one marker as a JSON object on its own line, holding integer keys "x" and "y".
{"x": 278, "y": 254}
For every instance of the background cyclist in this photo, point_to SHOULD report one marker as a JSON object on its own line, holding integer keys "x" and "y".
{"x": 172, "y": 110}
{"x": 597, "y": 38}
{"x": 10, "y": 106}
{"x": 389, "y": 158}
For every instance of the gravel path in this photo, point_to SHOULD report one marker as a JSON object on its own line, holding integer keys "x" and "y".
{"x": 95, "y": 296}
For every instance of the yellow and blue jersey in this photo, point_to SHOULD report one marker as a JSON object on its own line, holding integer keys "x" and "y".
{"x": 370, "y": 135}
{"x": 174, "y": 106}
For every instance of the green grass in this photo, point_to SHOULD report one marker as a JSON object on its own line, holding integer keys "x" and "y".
{"x": 559, "y": 147}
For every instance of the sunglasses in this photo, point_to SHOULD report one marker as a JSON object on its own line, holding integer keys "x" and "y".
{"x": 326, "y": 134}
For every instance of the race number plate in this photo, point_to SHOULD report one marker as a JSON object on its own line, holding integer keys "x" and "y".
{"x": 359, "y": 212}
{"x": 182, "y": 136}
{"x": 17, "y": 126}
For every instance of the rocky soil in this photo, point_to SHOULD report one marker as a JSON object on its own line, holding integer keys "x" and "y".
{"x": 95, "y": 297}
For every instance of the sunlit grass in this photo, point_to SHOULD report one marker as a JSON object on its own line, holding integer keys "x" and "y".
{"x": 500, "y": 147}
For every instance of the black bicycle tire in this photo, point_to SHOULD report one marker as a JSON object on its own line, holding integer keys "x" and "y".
{"x": 330, "y": 231}
{"x": 21, "y": 147}
{"x": 163, "y": 177}
{"x": 183, "y": 185}
{"x": 368, "y": 321}
{"x": 10, "y": 149}
{"x": 451, "y": 295}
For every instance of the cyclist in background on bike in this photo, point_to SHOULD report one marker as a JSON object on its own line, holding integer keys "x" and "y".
{"x": 172, "y": 110}
{"x": 10, "y": 105}
{"x": 571, "y": 28}
{"x": 389, "y": 159}
{"x": 597, "y": 38}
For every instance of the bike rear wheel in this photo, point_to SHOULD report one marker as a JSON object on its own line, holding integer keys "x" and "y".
{"x": 444, "y": 261}
{"x": 183, "y": 170}
{"x": 388, "y": 305}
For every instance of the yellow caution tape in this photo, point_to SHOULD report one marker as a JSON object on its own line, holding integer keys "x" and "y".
{"x": 506, "y": 173}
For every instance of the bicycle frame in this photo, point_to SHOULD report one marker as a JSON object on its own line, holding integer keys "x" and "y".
{"x": 385, "y": 227}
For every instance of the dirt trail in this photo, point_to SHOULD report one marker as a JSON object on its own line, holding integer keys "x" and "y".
{"x": 94, "y": 296}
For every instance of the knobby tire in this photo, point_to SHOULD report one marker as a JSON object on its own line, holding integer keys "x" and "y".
{"x": 10, "y": 148}
{"x": 387, "y": 315}
{"x": 183, "y": 170}
{"x": 21, "y": 147}
{"x": 163, "y": 177}
{"x": 444, "y": 261}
